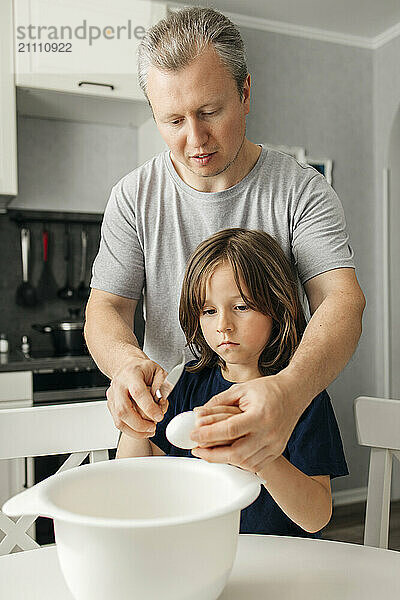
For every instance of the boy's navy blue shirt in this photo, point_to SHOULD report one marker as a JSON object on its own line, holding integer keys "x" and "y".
{"x": 315, "y": 446}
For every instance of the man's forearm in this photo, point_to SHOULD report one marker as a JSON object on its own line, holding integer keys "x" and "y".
{"x": 110, "y": 338}
{"x": 328, "y": 343}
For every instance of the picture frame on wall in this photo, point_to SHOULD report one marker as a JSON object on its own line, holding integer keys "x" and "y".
{"x": 324, "y": 166}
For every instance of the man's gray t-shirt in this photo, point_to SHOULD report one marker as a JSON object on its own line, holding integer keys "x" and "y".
{"x": 153, "y": 222}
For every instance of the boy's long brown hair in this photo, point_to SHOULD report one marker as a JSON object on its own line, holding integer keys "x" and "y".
{"x": 261, "y": 268}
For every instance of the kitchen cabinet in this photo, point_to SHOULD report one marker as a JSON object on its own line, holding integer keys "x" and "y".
{"x": 70, "y": 55}
{"x": 8, "y": 128}
{"x": 15, "y": 389}
{"x": 15, "y": 392}
{"x": 53, "y": 175}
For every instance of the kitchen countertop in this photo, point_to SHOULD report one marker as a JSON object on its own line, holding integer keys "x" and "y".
{"x": 16, "y": 361}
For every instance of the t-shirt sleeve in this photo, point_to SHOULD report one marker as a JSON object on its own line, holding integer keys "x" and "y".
{"x": 319, "y": 239}
{"x": 119, "y": 264}
{"x": 315, "y": 446}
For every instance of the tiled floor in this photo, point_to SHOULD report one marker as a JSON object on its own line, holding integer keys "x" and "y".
{"x": 347, "y": 524}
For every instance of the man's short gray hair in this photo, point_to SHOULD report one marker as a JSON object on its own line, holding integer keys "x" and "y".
{"x": 176, "y": 41}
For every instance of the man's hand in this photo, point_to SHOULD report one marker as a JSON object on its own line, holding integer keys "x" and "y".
{"x": 255, "y": 436}
{"x": 131, "y": 398}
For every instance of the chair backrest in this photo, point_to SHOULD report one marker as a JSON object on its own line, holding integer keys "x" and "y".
{"x": 80, "y": 430}
{"x": 378, "y": 426}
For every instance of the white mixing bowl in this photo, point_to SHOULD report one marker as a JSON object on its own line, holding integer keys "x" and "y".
{"x": 154, "y": 528}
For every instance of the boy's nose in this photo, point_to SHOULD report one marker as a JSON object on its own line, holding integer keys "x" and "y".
{"x": 223, "y": 326}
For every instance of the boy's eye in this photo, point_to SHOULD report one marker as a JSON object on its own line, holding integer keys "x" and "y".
{"x": 242, "y": 307}
{"x": 208, "y": 311}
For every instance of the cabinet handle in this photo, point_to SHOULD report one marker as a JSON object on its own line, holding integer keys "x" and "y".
{"x": 109, "y": 85}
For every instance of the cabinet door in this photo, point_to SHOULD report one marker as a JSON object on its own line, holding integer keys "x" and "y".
{"x": 82, "y": 46}
{"x": 15, "y": 392}
{"x": 8, "y": 127}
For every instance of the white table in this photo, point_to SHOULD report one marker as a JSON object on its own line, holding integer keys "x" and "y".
{"x": 266, "y": 567}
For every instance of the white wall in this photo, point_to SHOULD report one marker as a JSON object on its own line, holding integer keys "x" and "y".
{"x": 386, "y": 104}
{"x": 394, "y": 255}
{"x": 66, "y": 165}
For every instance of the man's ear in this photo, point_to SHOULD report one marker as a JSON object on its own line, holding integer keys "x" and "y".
{"x": 246, "y": 93}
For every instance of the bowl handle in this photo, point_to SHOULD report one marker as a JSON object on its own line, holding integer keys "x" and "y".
{"x": 29, "y": 502}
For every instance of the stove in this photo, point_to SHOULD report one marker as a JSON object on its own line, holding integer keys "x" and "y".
{"x": 58, "y": 379}
{"x": 68, "y": 381}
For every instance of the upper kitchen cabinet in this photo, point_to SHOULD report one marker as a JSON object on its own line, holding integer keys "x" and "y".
{"x": 70, "y": 55}
{"x": 8, "y": 129}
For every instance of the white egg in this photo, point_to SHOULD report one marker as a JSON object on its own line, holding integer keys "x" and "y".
{"x": 179, "y": 429}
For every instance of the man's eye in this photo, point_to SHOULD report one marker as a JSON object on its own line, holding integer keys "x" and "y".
{"x": 176, "y": 122}
{"x": 206, "y": 114}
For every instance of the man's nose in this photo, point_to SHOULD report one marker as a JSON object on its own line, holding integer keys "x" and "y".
{"x": 197, "y": 135}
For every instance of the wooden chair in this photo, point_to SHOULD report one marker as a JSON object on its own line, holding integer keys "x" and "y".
{"x": 378, "y": 426}
{"x": 81, "y": 430}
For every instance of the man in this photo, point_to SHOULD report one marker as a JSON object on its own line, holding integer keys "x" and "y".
{"x": 193, "y": 72}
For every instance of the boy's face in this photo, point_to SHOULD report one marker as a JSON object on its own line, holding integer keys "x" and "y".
{"x": 202, "y": 119}
{"x": 234, "y": 331}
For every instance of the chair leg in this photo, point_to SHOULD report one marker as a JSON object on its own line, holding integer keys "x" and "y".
{"x": 376, "y": 531}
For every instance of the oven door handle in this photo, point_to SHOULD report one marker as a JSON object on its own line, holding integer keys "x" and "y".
{"x": 72, "y": 395}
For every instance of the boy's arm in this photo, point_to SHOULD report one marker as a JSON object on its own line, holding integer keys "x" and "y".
{"x": 306, "y": 500}
{"x": 128, "y": 447}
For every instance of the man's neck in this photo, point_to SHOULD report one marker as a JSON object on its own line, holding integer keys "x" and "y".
{"x": 237, "y": 171}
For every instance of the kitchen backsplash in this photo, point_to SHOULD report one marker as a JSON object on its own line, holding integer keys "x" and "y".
{"x": 16, "y": 320}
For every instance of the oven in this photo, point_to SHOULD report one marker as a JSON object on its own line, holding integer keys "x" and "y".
{"x": 68, "y": 384}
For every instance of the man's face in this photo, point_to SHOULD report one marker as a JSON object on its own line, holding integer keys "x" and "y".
{"x": 201, "y": 118}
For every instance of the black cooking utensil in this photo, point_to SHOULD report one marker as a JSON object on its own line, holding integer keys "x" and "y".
{"x": 67, "y": 292}
{"x": 83, "y": 290}
{"x": 66, "y": 334}
{"x": 46, "y": 287}
{"x": 26, "y": 293}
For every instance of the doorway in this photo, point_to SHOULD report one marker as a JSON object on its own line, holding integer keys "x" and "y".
{"x": 394, "y": 254}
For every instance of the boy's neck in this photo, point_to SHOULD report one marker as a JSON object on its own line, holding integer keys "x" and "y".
{"x": 240, "y": 373}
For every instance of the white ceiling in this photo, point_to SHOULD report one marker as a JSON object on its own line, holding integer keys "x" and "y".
{"x": 367, "y": 19}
